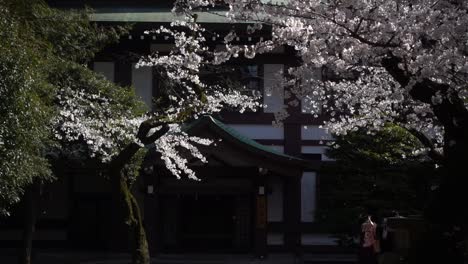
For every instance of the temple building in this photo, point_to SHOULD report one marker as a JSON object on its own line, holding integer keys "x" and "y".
{"x": 257, "y": 194}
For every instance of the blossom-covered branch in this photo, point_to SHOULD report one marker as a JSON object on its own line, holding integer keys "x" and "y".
{"x": 378, "y": 61}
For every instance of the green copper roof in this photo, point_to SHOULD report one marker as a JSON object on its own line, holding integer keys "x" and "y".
{"x": 239, "y": 138}
{"x": 247, "y": 140}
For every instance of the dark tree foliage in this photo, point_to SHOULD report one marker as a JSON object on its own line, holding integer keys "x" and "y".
{"x": 37, "y": 46}
{"x": 376, "y": 174}
{"x": 43, "y": 50}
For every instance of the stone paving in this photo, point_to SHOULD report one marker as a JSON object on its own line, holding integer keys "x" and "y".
{"x": 71, "y": 257}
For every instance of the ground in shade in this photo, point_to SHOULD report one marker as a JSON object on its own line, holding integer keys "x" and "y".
{"x": 69, "y": 257}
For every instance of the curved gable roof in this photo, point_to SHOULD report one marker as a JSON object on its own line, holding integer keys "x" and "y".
{"x": 246, "y": 144}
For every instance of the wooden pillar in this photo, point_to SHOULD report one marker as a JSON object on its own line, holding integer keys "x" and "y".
{"x": 260, "y": 233}
{"x": 292, "y": 190}
{"x": 123, "y": 72}
{"x": 292, "y": 213}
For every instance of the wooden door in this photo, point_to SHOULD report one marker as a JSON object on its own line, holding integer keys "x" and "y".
{"x": 243, "y": 219}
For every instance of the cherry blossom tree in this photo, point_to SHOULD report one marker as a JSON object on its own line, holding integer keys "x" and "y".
{"x": 97, "y": 123}
{"x": 57, "y": 107}
{"x": 365, "y": 63}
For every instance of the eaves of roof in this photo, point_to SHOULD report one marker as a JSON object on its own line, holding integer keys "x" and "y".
{"x": 227, "y": 133}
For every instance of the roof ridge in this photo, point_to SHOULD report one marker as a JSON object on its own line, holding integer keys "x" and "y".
{"x": 250, "y": 141}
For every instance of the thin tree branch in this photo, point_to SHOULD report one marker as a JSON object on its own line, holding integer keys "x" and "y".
{"x": 145, "y": 128}
{"x": 426, "y": 142}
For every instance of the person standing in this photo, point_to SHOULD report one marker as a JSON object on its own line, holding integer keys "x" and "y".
{"x": 368, "y": 245}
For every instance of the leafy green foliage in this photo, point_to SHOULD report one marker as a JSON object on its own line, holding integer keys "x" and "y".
{"x": 392, "y": 146}
{"x": 41, "y": 51}
{"x": 24, "y": 111}
{"x": 373, "y": 174}
{"x": 67, "y": 35}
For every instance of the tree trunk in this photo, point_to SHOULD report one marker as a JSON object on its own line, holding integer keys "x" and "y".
{"x": 131, "y": 215}
{"x": 127, "y": 208}
{"x": 448, "y": 213}
{"x": 31, "y": 207}
{"x": 127, "y": 211}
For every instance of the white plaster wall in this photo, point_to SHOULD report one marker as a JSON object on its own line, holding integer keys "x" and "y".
{"x": 308, "y": 196}
{"x": 273, "y": 88}
{"x": 259, "y": 131}
{"x": 315, "y": 133}
{"x": 276, "y": 148}
{"x": 275, "y": 200}
{"x": 316, "y": 150}
{"x": 274, "y": 239}
{"x": 142, "y": 80}
{"x": 105, "y": 68}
